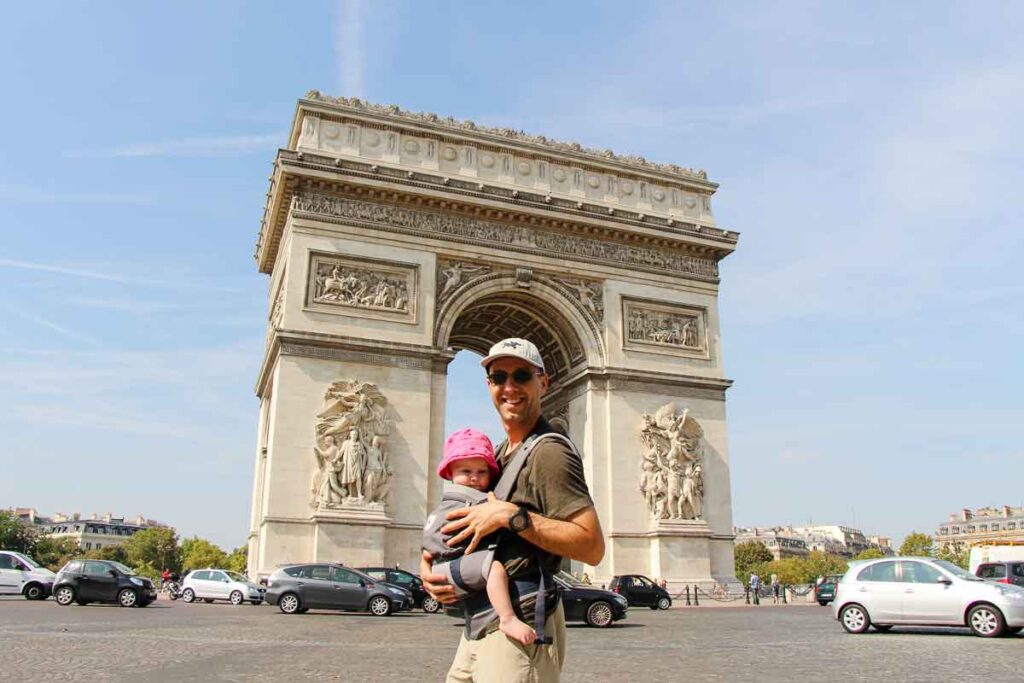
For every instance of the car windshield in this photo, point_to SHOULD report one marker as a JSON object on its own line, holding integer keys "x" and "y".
{"x": 569, "y": 579}
{"x": 957, "y": 571}
{"x": 128, "y": 571}
{"x": 29, "y": 561}
{"x": 235, "y": 576}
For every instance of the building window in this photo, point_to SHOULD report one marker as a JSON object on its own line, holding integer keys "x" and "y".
{"x": 983, "y": 527}
{"x": 970, "y": 529}
{"x": 1011, "y": 526}
{"x": 88, "y": 546}
{"x": 98, "y": 546}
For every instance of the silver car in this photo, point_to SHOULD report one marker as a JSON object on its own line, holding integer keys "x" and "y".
{"x": 922, "y": 591}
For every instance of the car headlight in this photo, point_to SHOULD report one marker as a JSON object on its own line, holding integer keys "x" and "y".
{"x": 621, "y": 600}
{"x": 396, "y": 592}
{"x": 136, "y": 581}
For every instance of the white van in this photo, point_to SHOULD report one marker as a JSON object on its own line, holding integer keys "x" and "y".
{"x": 21, "y": 575}
{"x": 982, "y": 554}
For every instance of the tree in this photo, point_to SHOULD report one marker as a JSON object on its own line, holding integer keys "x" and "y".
{"x": 114, "y": 553}
{"x": 823, "y": 564}
{"x": 238, "y": 560}
{"x": 916, "y": 545}
{"x": 751, "y": 556}
{"x": 956, "y": 552}
{"x": 198, "y": 553}
{"x": 870, "y": 554}
{"x": 14, "y": 535}
{"x": 53, "y": 553}
{"x": 153, "y": 549}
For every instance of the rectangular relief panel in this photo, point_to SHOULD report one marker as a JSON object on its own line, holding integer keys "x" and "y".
{"x": 663, "y": 327}
{"x": 362, "y": 287}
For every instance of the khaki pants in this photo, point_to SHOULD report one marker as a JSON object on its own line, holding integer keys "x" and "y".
{"x": 496, "y": 658}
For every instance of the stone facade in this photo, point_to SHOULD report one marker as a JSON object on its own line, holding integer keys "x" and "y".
{"x": 969, "y": 527}
{"x": 89, "y": 533}
{"x": 393, "y": 240}
{"x": 798, "y": 541}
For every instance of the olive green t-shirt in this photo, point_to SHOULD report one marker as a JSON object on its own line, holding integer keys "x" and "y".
{"x": 551, "y": 484}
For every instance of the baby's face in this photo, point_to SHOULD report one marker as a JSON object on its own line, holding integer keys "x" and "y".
{"x": 471, "y": 472}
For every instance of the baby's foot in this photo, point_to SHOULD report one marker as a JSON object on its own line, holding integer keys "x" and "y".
{"x": 514, "y": 628}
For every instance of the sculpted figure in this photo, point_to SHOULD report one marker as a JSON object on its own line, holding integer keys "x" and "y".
{"x": 453, "y": 276}
{"x": 671, "y": 478}
{"x": 377, "y": 473}
{"x": 353, "y": 463}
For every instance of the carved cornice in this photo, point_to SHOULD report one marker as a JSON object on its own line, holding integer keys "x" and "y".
{"x": 509, "y": 237}
{"x": 669, "y": 384}
{"x": 543, "y": 209}
{"x": 502, "y": 136}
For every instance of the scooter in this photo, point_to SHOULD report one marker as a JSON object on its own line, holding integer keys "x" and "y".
{"x": 173, "y": 590}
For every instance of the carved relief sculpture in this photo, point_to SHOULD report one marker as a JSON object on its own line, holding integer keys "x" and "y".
{"x": 589, "y": 294}
{"x": 373, "y": 287}
{"x": 671, "y": 466}
{"x": 664, "y": 327}
{"x": 453, "y": 274}
{"x": 351, "y": 432}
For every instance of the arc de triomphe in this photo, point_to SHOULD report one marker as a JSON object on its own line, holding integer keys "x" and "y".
{"x": 393, "y": 240}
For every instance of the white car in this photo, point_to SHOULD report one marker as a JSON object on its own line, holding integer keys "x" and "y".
{"x": 922, "y": 591}
{"x": 21, "y": 575}
{"x": 220, "y": 584}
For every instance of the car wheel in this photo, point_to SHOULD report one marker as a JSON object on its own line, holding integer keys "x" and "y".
{"x": 882, "y": 627}
{"x": 188, "y": 595}
{"x": 986, "y": 621}
{"x": 289, "y": 603}
{"x": 430, "y": 605}
{"x": 599, "y": 614}
{"x": 823, "y": 603}
{"x": 65, "y": 595}
{"x": 854, "y": 619}
{"x": 379, "y": 606}
{"x": 1012, "y": 630}
{"x": 34, "y": 591}
{"x": 664, "y": 603}
{"x": 256, "y": 603}
{"x": 237, "y": 598}
{"x": 127, "y": 598}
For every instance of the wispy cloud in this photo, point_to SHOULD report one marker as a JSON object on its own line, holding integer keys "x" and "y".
{"x": 199, "y": 147}
{"x": 350, "y": 46}
{"x": 179, "y": 282}
{"x": 49, "y": 324}
{"x": 27, "y": 193}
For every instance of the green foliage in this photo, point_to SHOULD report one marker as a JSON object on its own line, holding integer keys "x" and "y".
{"x": 751, "y": 556}
{"x": 198, "y": 553}
{"x": 790, "y": 570}
{"x": 956, "y": 552}
{"x": 14, "y": 535}
{"x": 155, "y": 548}
{"x": 799, "y": 570}
{"x": 870, "y": 554}
{"x": 111, "y": 552}
{"x": 54, "y": 553}
{"x": 238, "y": 560}
{"x": 917, "y": 545}
{"x": 823, "y": 564}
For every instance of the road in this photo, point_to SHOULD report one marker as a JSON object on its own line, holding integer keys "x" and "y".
{"x": 172, "y": 641}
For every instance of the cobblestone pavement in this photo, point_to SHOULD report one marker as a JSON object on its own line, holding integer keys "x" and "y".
{"x": 40, "y": 641}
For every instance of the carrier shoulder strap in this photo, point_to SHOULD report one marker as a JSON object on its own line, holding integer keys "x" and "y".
{"x": 510, "y": 474}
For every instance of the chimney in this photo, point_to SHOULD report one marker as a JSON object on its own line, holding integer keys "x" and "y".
{"x": 75, "y": 516}
{"x": 1006, "y": 511}
{"x": 966, "y": 514}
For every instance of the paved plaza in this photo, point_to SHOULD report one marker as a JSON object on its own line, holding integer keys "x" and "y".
{"x": 167, "y": 641}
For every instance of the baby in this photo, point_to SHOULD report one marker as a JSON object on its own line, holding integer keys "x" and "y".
{"x": 469, "y": 461}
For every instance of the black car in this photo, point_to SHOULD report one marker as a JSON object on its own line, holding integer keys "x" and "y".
{"x": 85, "y": 581}
{"x": 1002, "y": 572}
{"x": 640, "y": 591}
{"x": 825, "y": 590}
{"x": 421, "y": 599}
{"x": 297, "y": 588}
{"x": 582, "y": 602}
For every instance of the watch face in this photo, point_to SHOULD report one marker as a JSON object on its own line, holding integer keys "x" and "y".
{"x": 519, "y": 520}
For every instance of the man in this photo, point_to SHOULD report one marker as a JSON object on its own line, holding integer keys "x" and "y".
{"x": 549, "y": 513}
{"x": 755, "y": 588}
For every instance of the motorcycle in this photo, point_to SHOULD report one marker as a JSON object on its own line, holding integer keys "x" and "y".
{"x": 173, "y": 590}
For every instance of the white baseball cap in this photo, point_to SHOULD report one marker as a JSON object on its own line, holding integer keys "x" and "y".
{"x": 515, "y": 348}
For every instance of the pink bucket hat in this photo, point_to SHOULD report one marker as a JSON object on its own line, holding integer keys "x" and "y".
{"x": 463, "y": 444}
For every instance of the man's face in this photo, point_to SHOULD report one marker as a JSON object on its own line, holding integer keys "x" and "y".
{"x": 517, "y": 403}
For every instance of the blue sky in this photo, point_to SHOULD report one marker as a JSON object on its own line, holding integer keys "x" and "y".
{"x": 868, "y": 154}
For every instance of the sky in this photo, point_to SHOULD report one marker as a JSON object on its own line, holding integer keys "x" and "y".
{"x": 868, "y": 153}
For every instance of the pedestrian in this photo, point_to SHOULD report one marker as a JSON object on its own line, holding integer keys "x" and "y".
{"x": 775, "y": 589}
{"x": 549, "y": 515}
{"x": 755, "y": 587}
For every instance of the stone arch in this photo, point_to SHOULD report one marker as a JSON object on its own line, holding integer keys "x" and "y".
{"x": 495, "y": 306}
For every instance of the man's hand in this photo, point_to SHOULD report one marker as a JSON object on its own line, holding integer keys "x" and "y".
{"x": 436, "y": 585}
{"x": 478, "y": 521}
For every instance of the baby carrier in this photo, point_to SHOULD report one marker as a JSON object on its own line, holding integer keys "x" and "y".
{"x": 468, "y": 573}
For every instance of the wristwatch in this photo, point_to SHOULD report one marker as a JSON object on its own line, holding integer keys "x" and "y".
{"x": 520, "y": 521}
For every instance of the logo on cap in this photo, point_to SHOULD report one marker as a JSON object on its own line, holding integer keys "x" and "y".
{"x": 511, "y": 344}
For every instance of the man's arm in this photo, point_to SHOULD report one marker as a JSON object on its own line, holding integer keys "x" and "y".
{"x": 579, "y": 537}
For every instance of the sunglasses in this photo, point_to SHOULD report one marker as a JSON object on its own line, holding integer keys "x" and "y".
{"x": 520, "y": 376}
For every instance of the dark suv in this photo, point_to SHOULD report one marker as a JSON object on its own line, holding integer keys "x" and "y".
{"x": 407, "y": 580}
{"x": 85, "y": 581}
{"x": 825, "y": 590}
{"x": 1002, "y": 572}
{"x": 640, "y": 591}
